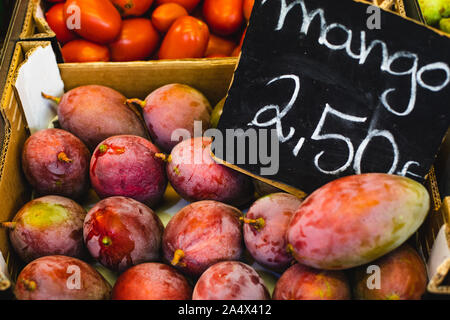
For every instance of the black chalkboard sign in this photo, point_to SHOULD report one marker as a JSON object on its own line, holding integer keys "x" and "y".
{"x": 340, "y": 98}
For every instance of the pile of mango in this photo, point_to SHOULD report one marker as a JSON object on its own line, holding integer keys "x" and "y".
{"x": 436, "y": 13}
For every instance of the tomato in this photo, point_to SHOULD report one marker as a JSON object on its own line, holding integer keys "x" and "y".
{"x": 137, "y": 40}
{"x": 54, "y": 1}
{"x": 219, "y": 46}
{"x": 84, "y": 51}
{"x": 99, "y": 21}
{"x": 248, "y": 7}
{"x": 189, "y": 5}
{"x": 132, "y": 7}
{"x": 224, "y": 17}
{"x": 164, "y": 15}
{"x": 187, "y": 38}
{"x": 56, "y": 21}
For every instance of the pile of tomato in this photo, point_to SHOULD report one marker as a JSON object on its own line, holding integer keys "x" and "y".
{"x": 130, "y": 30}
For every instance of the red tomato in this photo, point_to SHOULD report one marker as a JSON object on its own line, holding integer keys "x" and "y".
{"x": 56, "y": 21}
{"x": 219, "y": 46}
{"x": 98, "y": 20}
{"x": 189, "y": 5}
{"x": 54, "y": 1}
{"x": 224, "y": 17}
{"x": 84, "y": 51}
{"x": 132, "y": 7}
{"x": 187, "y": 38}
{"x": 166, "y": 14}
{"x": 137, "y": 40}
{"x": 248, "y": 7}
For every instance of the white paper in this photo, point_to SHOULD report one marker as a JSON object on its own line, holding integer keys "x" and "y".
{"x": 5, "y": 279}
{"x": 440, "y": 253}
{"x": 3, "y": 266}
{"x": 39, "y": 74}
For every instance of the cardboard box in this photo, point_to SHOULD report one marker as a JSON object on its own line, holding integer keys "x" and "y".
{"x": 436, "y": 234}
{"x": 15, "y": 13}
{"x": 35, "y": 26}
{"x": 33, "y": 69}
{"x": 14, "y": 135}
{"x": 212, "y": 76}
{"x": 137, "y": 79}
{"x": 212, "y": 79}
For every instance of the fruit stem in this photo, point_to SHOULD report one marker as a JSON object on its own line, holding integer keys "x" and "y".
{"x": 290, "y": 249}
{"x": 64, "y": 158}
{"x": 164, "y": 157}
{"x": 30, "y": 285}
{"x": 139, "y": 102}
{"x": 106, "y": 241}
{"x": 258, "y": 224}
{"x": 177, "y": 256}
{"x": 9, "y": 225}
{"x": 103, "y": 148}
{"x": 49, "y": 97}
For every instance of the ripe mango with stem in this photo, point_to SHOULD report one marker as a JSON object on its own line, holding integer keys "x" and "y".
{"x": 61, "y": 278}
{"x": 56, "y": 162}
{"x": 50, "y": 225}
{"x": 94, "y": 113}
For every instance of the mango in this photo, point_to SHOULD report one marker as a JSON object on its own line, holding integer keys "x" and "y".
{"x": 55, "y": 162}
{"x": 50, "y": 225}
{"x": 217, "y": 113}
{"x": 300, "y": 282}
{"x": 171, "y": 108}
{"x": 402, "y": 276}
{"x": 94, "y": 113}
{"x": 354, "y": 220}
{"x": 59, "y": 277}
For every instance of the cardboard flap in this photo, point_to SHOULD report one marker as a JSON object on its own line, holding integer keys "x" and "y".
{"x": 39, "y": 73}
{"x": 39, "y": 12}
{"x": 39, "y": 19}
